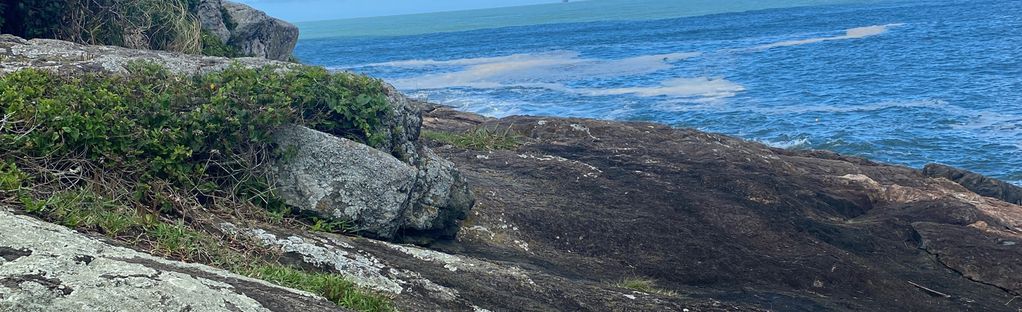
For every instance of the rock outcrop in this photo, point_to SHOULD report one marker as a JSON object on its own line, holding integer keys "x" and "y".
{"x": 692, "y": 221}
{"x": 710, "y": 216}
{"x": 211, "y": 16}
{"x": 260, "y": 35}
{"x": 343, "y": 179}
{"x": 250, "y": 31}
{"x": 72, "y": 58}
{"x": 978, "y": 183}
{"x": 45, "y": 267}
{"x": 423, "y": 195}
{"x": 380, "y": 194}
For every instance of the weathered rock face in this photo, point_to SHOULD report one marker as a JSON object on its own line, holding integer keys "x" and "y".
{"x": 343, "y": 179}
{"x": 380, "y": 194}
{"x": 211, "y": 18}
{"x": 977, "y": 183}
{"x": 250, "y": 31}
{"x": 45, "y": 267}
{"x": 260, "y": 35}
{"x": 441, "y": 199}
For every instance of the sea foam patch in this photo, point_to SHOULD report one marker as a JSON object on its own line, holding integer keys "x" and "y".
{"x": 556, "y": 70}
{"x": 678, "y": 87}
{"x": 853, "y": 33}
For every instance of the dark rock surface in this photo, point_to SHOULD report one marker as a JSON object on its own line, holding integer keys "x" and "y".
{"x": 710, "y": 216}
{"x": 978, "y": 183}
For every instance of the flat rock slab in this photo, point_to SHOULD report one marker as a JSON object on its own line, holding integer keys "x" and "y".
{"x": 712, "y": 216}
{"x": 47, "y": 267}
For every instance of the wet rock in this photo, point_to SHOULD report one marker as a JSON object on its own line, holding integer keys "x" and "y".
{"x": 48, "y": 274}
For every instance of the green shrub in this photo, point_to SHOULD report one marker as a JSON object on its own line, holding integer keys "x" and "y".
{"x": 212, "y": 46}
{"x": 155, "y": 159}
{"x": 11, "y": 178}
{"x": 194, "y": 132}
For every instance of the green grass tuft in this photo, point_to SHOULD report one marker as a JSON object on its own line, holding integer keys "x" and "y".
{"x": 644, "y": 285}
{"x": 332, "y": 287}
{"x": 481, "y": 139}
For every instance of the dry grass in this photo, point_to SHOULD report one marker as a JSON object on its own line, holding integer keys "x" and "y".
{"x": 139, "y": 24}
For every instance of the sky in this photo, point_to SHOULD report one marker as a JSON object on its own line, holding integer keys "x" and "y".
{"x": 314, "y": 10}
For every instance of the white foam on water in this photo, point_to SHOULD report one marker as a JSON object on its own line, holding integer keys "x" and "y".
{"x": 553, "y": 70}
{"x": 677, "y": 87}
{"x": 795, "y": 143}
{"x": 854, "y": 33}
{"x": 523, "y": 70}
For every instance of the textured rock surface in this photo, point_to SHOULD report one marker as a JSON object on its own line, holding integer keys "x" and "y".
{"x": 441, "y": 198}
{"x": 71, "y": 58}
{"x": 380, "y": 194}
{"x": 977, "y": 183}
{"x": 45, "y": 267}
{"x": 211, "y": 18}
{"x": 426, "y": 280}
{"x": 710, "y": 216}
{"x": 260, "y": 35}
{"x": 343, "y": 179}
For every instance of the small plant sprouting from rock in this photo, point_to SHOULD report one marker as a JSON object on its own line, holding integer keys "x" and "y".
{"x": 331, "y": 226}
{"x": 644, "y": 285}
{"x": 482, "y": 138}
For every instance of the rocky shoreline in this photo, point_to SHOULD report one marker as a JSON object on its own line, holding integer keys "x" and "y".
{"x": 460, "y": 212}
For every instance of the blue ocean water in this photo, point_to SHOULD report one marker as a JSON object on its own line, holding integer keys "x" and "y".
{"x": 906, "y": 82}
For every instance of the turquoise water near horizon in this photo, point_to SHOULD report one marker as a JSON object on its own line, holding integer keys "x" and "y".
{"x": 554, "y": 13}
{"x": 905, "y": 82}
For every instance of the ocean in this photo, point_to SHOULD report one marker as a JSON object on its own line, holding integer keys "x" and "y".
{"x": 903, "y": 82}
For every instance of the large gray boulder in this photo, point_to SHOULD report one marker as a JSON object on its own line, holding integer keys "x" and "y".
{"x": 47, "y": 267}
{"x": 257, "y": 34}
{"x": 381, "y": 195}
{"x": 250, "y": 31}
{"x": 343, "y": 179}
